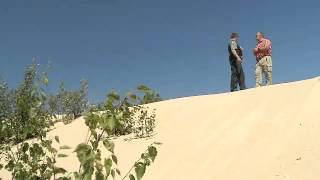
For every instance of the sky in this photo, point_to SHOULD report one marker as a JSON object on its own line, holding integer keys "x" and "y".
{"x": 176, "y": 47}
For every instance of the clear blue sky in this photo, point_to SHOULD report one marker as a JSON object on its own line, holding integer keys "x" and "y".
{"x": 177, "y": 47}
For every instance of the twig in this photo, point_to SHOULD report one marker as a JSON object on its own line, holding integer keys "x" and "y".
{"x": 136, "y": 162}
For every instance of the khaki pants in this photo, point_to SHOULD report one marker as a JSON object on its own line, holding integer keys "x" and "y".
{"x": 264, "y": 66}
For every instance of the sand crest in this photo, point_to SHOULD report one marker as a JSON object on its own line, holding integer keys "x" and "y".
{"x": 268, "y": 133}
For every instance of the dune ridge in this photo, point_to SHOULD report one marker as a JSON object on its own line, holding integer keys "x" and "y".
{"x": 267, "y": 133}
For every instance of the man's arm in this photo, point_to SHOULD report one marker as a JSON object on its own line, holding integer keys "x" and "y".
{"x": 255, "y": 51}
{"x": 233, "y": 50}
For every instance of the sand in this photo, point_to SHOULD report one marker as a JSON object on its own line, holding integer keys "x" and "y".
{"x": 267, "y": 133}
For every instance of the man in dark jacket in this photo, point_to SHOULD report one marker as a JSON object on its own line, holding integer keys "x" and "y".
{"x": 235, "y": 59}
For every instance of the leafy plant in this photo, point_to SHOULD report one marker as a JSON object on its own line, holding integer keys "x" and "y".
{"x": 29, "y": 116}
{"x": 117, "y": 118}
{"x": 34, "y": 160}
{"x": 29, "y": 119}
{"x": 53, "y": 105}
{"x": 5, "y": 111}
{"x": 73, "y": 103}
{"x": 145, "y": 123}
{"x": 130, "y": 115}
{"x": 27, "y": 113}
{"x": 149, "y": 95}
{"x": 145, "y": 160}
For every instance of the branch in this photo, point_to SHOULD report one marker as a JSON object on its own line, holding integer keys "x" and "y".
{"x": 136, "y": 162}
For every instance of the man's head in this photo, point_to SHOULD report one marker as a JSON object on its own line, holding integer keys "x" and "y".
{"x": 234, "y": 35}
{"x": 259, "y": 36}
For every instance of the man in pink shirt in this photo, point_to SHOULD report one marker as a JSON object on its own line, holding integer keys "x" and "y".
{"x": 263, "y": 54}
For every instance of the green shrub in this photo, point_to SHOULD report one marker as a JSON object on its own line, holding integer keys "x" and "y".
{"x": 29, "y": 119}
{"x": 5, "y": 111}
{"x": 149, "y": 95}
{"x": 34, "y": 160}
{"x": 130, "y": 115}
{"x": 27, "y": 113}
{"x": 117, "y": 118}
{"x": 53, "y": 105}
{"x": 23, "y": 110}
{"x": 71, "y": 103}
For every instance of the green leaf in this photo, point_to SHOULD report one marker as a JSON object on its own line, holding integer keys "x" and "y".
{"x": 58, "y": 170}
{"x": 113, "y": 174}
{"x": 143, "y": 88}
{"x": 140, "y": 169}
{"x": 152, "y": 151}
{"x": 25, "y": 147}
{"x": 109, "y": 145}
{"x": 99, "y": 176}
{"x": 94, "y": 134}
{"x": 118, "y": 171}
{"x": 10, "y": 165}
{"x": 82, "y": 147}
{"x": 132, "y": 177}
{"x": 84, "y": 153}
{"x": 111, "y": 123}
{"x": 107, "y": 166}
{"x": 157, "y": 143}
{"x": 46, "y": 81}
{"x": 65, "y": 147}
{"x": 57, "y": 139}
{"x": 132, "y": 96}
{"x": 62, "y": 155}
{"x": 114, "y": 158}
{"x": 142, "y": 156}
{"x": 113, "y": 96}
{"x": 88, "y": 173}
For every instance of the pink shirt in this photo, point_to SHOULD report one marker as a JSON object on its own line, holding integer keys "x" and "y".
{"x": 264, "y": 49}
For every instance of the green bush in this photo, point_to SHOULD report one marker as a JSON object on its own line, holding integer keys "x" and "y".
{"x": 69, "y": 104}
{"x": 23, "y": 112}
{"x": 149, "y": 95}
{"x": 5, "y": 111}
{"x": 118, "y": 117}
{"x": 27, "y": 112}
{"x": 27, "y": 118}
{"x": 129, "y": 112}
{"x": 74, "y": 103}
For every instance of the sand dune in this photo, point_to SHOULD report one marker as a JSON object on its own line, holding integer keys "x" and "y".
{"x": 268, "y": 133}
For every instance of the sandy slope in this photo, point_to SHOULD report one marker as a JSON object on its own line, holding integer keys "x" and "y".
{"x": 269, "y": 133}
